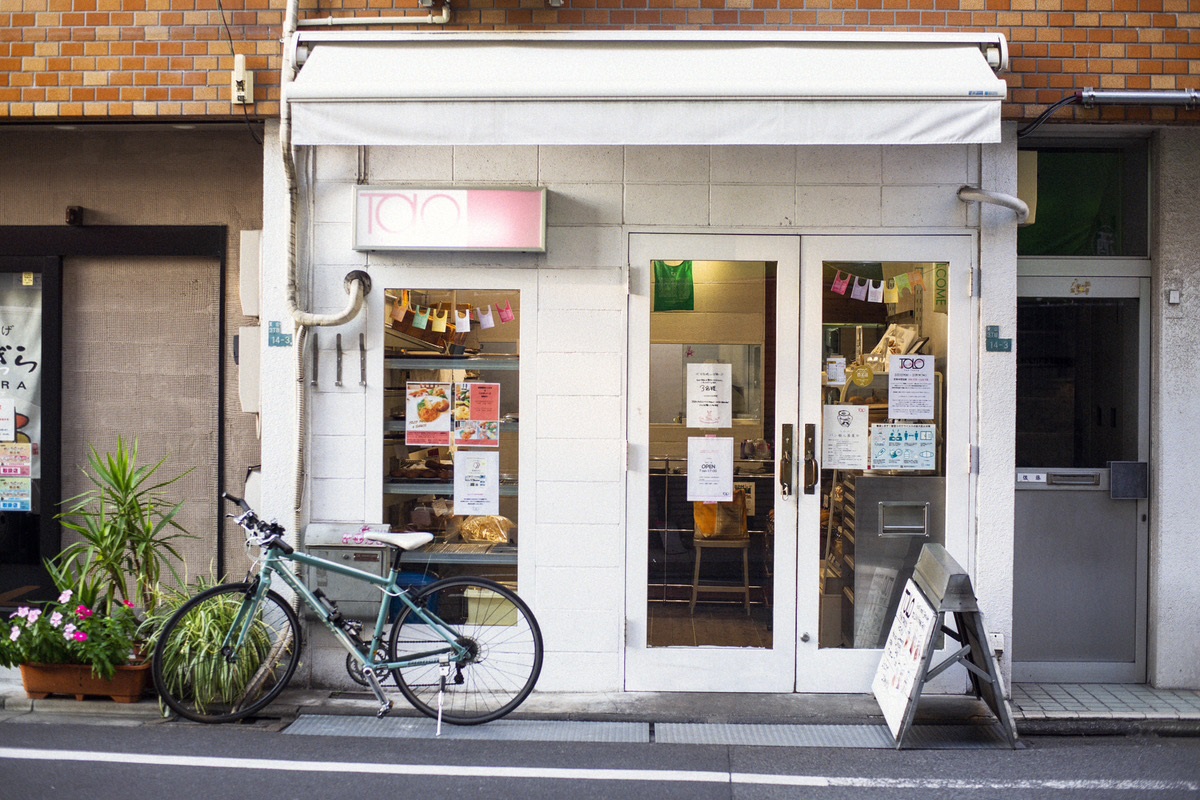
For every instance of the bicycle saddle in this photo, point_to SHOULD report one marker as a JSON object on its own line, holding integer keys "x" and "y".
{"x": 405, "y": 541}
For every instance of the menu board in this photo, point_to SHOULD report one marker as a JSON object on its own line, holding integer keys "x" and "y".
{"x": 904, "y": 655}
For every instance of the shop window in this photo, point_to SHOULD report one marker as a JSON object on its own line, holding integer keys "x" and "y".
{"x": 886, "y": 343}
{"x": 1091, "y": 201}
{"x": 451, "y": 419}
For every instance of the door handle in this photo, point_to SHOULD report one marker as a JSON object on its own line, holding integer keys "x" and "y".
{"x": 812, "y": 471}
{"x": 785, "y": 462}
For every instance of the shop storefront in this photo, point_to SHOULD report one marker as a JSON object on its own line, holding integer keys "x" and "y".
{"x": 707, "y": 412}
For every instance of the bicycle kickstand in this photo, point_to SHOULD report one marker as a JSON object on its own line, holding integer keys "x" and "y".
{"x": 443, "y": 672}
{"x": 385, "y": 705}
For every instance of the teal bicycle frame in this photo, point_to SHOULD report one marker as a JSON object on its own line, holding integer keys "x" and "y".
{"x": 275, "y": 563}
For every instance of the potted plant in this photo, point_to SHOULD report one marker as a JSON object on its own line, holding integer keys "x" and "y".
{"x": 73, "y": 646}
{"x": 92, "y": 635}
{"x": 127, "y": 528}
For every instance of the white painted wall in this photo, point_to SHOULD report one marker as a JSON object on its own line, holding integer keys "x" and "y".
{"x": 576, "y": 361}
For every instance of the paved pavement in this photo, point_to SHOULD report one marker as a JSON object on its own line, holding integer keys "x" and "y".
{"x": 1057, "y": 709}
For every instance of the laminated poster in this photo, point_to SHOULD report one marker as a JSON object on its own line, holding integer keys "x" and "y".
{"x": 476, "y": 482}
{"x": 16, "y": 494}
{"x": 709, "y": 396}
{"x": 427, "y": 414}
{"x": 477, "y": 414}
{"x": 844, "y": 437}
{"x": 16, "y": 460}
{"x": 710, "y": 469}
{"x": 903, "y": 447}
{"x": 910, "y": 387}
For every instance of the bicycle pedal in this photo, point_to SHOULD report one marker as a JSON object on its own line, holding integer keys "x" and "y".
{"x": 384, "y": 709}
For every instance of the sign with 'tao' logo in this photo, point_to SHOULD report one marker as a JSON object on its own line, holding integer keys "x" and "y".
{"x": 911, "y": 387}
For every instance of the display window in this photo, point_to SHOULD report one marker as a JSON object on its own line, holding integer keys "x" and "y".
{"x": 451, "y": 417}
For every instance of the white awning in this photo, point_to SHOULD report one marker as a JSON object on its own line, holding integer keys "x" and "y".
{"x": 646, "y": 89}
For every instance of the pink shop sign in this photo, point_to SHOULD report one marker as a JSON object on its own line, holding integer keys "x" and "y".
{"x": 413, "y": 218}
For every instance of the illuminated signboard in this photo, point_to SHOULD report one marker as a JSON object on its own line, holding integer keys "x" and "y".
{"x": 409, "y": 218}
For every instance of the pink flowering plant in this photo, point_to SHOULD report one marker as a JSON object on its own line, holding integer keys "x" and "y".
{"x": 70, "y": 632}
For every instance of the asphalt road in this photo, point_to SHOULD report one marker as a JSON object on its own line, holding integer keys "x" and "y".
{"x": 182, "y": 761}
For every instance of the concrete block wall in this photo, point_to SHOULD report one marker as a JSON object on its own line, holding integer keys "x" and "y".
{"x": 576, "y": 295}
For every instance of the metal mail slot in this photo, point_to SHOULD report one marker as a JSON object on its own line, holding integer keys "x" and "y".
{"x": 903, "y": 518}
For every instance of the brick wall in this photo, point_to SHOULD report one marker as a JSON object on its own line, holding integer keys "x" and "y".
{"x": 70, "y": 59}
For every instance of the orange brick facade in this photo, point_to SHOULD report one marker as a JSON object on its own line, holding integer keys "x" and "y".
{"x": 170, "y": 60}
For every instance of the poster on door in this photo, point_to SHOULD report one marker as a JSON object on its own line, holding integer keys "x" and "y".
{"x": 710, "y": 469}
{"x": 903, "y": 447}
{"x": 709, "y": 396}
{"x": 844, "y": 437}
{"x": 427, "y": 414}
{"x": 910, "y": 387}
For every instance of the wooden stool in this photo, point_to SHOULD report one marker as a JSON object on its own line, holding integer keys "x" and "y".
{"x": 722, "y": 544}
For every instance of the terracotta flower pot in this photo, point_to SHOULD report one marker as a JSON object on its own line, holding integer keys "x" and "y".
{"x": 43, "y": 680}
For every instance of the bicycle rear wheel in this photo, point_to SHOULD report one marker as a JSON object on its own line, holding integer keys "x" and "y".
{"x": 199, "y": 681}
{"x": 503, "y": 641}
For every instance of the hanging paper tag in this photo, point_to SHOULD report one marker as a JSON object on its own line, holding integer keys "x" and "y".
{"x": 420, "y": 318}
{"x": 437, "y": 322}
{"x": 462, "y": 320}
{"x": 890, "y": 293}
{"x": 399, "y": 309}
{"x": 917, "y": 278}
{"x": 840, "y": 282}
{"x": 902, "y": 283}
{"x": 506, "y": 312}
{"x": 875, "y": 292}
{"x": 859, "y": 292}
{"x": 485, "y": 317}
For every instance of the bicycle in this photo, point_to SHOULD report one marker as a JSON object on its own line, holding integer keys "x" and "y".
{"x": 462, "y": 649}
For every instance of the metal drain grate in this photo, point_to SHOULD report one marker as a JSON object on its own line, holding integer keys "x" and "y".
{"x": 499, "y": 731}
{"x": 874, "y": 737}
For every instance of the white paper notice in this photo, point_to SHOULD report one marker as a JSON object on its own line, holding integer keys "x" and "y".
{"x": 8, "y": 420}
{"x": 710, "y": 469}
{"x": 904, "y": 447}
{"x": 910, "y": 387}
{"x": 844, "y": 437}
{"x": 709, "y": 396}
{"x": 476, "y": 482}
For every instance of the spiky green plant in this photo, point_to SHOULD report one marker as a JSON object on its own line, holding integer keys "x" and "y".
{"x": 127, "y": 527}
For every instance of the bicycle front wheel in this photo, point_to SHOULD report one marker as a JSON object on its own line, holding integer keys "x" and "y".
{"x": 202, "y": 677}
{"x": 502, "y": 640}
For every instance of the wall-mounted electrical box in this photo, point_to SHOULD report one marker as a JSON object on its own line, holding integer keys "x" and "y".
{"x": 241, "y": 83}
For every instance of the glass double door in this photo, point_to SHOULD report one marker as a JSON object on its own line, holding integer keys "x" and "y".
{"x": 728, "y": 512}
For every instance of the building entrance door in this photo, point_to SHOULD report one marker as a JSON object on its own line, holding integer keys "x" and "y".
{"x": 1081, "y": 531}
{"x": 789, "y": 580}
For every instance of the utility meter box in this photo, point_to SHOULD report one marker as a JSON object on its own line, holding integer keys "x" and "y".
{"x": 346, "y": 544}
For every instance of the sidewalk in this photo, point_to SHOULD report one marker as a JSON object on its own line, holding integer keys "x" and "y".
{"x": 1047, "y": 709}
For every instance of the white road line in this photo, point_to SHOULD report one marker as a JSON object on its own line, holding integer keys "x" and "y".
{"x": 554, "y": 773}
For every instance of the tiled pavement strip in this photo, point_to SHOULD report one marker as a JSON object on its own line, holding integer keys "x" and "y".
{"x": 791, "y": 720}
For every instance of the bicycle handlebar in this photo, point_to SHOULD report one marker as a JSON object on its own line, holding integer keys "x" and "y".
{"x": 271, "y": 533}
